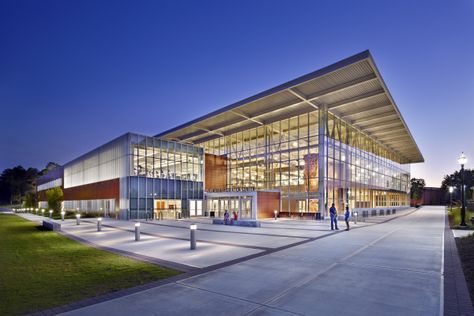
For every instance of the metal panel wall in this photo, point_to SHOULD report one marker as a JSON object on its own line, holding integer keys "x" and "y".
{"x": 107, "y": 162}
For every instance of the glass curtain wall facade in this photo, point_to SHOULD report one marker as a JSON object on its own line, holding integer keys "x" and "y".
{"x": 360, "y": 171}
{"x": 166, "y": 178}
{"x": 284, "y": 155}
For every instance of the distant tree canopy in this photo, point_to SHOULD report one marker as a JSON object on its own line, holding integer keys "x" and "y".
{"x": 54, "y": 197}
{"x": 50, "y": 166}
{"x": 416, "y": 188}
{"x": 454, "y": 180}
{"x": 18, "y": 185}
{"x": 16, "y": 182}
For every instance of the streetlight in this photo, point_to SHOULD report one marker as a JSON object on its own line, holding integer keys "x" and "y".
{"x": 451, "y": 189}
{"x": 462, "y": 161}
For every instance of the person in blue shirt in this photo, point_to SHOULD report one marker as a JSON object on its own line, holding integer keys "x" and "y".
{"x": 333, "y": 214}
{"x": 347, "y": 214}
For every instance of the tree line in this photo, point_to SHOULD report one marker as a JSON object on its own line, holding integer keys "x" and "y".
{"x": 454, "y": 180}
{"x": 18, "y": 185}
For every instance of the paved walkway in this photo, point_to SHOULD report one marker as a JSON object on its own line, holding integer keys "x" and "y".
{"x": 168, "y": 240}
{"x": 393, "y": 268}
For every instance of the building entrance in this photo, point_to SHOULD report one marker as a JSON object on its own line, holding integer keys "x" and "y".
{"x": 243, "y": 205}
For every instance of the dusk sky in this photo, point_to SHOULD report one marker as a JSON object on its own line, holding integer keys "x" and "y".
{"x": 76, "y": 74}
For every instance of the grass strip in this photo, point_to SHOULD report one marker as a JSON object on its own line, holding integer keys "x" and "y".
{"x": 42, "y": 269}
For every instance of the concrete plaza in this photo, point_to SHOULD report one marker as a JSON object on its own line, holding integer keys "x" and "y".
{"x": 167, "y": 241}
{"x": 391, "y": 268}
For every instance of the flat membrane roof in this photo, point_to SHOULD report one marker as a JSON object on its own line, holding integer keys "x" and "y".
{"x": 351, "y": 89}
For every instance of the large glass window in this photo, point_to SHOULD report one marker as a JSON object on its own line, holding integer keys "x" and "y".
{"x": 164, "y": 175}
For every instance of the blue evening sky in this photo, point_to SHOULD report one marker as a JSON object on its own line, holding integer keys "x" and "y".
{"x": 75, "y": 74}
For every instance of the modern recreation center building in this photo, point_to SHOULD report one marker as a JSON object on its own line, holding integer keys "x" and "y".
{"x": 332, "y": 136}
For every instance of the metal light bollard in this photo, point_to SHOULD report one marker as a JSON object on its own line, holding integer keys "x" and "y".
{"x": 50, "y": 213}
{"x": 192, "y": 237}
{"x": 99, "y": 224}
{"x": 42, "y": 212}
{"x": 275, "y": 212}
{"x": 355, "y": 217}
{"x": 62, "y": 215}
{"x": 137, "y": 231}
{"x": 78, "y": 219}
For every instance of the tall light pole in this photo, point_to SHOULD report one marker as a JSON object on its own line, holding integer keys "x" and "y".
{"x": 451, "y": 189}
{"x": 462, "y": 161}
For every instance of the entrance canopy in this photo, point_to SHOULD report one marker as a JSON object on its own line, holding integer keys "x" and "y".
{"x": 351, "y": 89}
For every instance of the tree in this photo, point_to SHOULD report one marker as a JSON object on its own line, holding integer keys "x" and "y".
{"x": 30, "y": 200}
{"x": 16, "y": 183}
{"x": 49, "y": 167}
{"x": 416, "y": 188}
{"x": 54, "y": 197}
{"x": 454, "y": 180}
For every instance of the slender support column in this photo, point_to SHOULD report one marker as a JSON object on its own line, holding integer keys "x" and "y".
{"x": 323, "y": 121}
{"x": 253, "y": 202}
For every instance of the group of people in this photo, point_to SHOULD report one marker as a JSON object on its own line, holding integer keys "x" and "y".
{"x": 227, "y": 219}
{"x": 333, "y": 214}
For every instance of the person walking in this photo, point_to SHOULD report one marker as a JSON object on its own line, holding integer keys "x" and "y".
{"x": 333, "y": 214}
{"x": 347, "y": 214}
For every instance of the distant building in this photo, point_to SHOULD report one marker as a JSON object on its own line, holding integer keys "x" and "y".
{"x": 432, "y": 196}
{"x": 332, "y": 136}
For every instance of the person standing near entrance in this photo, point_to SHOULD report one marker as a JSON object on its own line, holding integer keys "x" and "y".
{"x": 333, "y": 214}
{"x": 347, "y": 214}
{"x": 226, "y": 217}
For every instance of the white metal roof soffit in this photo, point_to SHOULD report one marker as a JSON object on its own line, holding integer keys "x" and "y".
{"x": 353, "y": 92}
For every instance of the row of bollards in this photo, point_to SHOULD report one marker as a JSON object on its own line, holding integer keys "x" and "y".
{"x": 192, "y": 230}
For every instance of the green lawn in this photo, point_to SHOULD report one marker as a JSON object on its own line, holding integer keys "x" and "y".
{"x": 455, "y": 217}
{"x": 42, "y": 269}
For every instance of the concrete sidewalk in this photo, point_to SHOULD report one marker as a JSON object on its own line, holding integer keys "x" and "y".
{"x": 168, "y": 240}
{"x": 393, "y": 268}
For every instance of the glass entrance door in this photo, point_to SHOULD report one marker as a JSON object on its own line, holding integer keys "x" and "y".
{"x": 246, "y": 204}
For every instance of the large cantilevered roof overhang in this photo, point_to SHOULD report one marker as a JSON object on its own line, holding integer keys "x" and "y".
{"x": 351, "y": 89}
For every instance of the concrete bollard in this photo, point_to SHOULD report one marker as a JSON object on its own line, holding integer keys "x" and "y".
{"x": 137, "y": 231}
{"x": 78, "y": 219}
{"x": 192, "y": 237}
{"x": 62, "y": 215}
{"x": 99, "y": 224}
{"x": 50, "y": 213}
